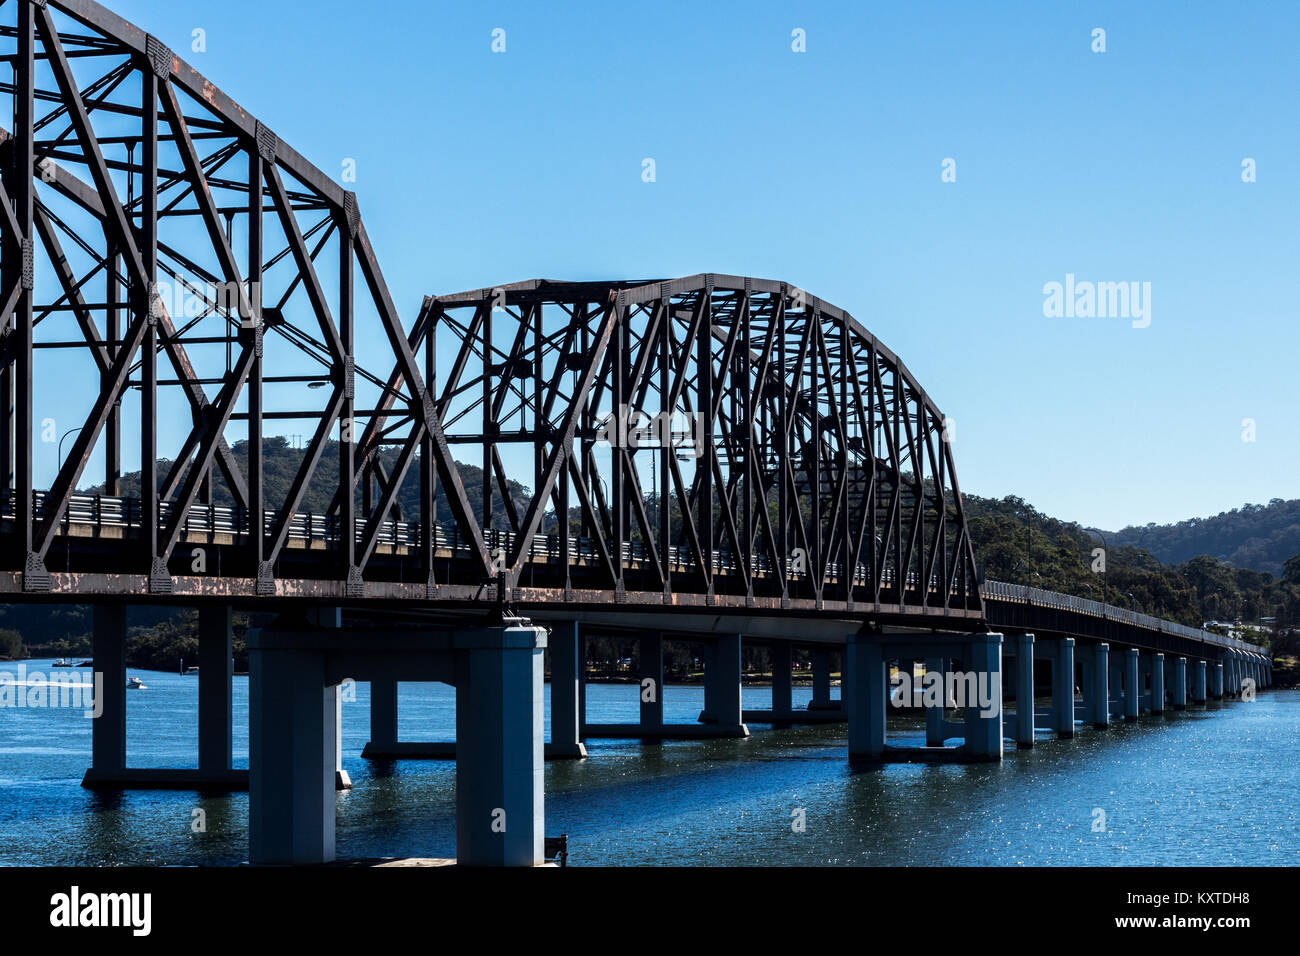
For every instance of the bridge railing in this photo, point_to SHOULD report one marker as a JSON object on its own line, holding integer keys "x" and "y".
{"x": 123, "y": 513}
{"x": 1023, "y": 594}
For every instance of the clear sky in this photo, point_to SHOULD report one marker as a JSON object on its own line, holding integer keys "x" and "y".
{"x": 823, "y": 168}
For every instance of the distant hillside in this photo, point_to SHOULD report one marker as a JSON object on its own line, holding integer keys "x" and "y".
{"x": 1014, "y": 542}
{"x": 1259, "y": 537}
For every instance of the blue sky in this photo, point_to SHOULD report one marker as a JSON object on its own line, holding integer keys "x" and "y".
{"x": 823, "y": 168}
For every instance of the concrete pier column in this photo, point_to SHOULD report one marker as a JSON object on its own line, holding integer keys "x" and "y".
{"x": 934, "y": 716}
{"x": 1132, "y": 686}
{"x": 1099, "y": 692}
{"x": 1118, "y": 691}
{"x": 499, "y": 748}
{"x": 1063, "y": 688}
{"x": 1157, "y": 683}
{"x": 727, "y": 708}
{"x": 1198, "y": 692}
{"x": 821, "y": 674}
{"x": 1215, "y": 671}
{"x": 983, "y": 719}
{"x": 383, "y": 714}
{"x": 582, "y": 682}
{"x": 108, "y": 646}
{"x": 782, "y": 660}
{"x": 293, "y": 753}
{"x": 566, "y": 652}
{"x": 709, "y": 656}
{"x": 650, "y": 654}
{"x": 1179, "y": 692}
{"x": 1024, "y": 690}
{"x": 865, "y": 689}
{"x": 216, "y": 675}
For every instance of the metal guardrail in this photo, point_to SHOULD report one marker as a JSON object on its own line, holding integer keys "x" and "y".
{"x": 1023, "y": 594}
{"x": 105, "y": 511}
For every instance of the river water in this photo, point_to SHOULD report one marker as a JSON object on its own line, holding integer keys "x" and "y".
{"x": 1211, "y": 786}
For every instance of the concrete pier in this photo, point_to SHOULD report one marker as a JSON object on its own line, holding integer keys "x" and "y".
{"x": 565, "y": 647}
{"x": 781, "y": 656}
{"x": 1198, "y": 692}
{"x": 726, "y": 706}
{"x": 565, "y": 742}
{"x": 1063, "y": 688}
{"x": 108, "y": 647}
{"x": 1132, "y": 686}
{"x": 383, "y": 718}
{"x": 1118, "y": 679}
{"x": 295, "y": 669}
{"x": 499, "y": 741}
{"x": 293, "y": 744}
{"x": 1099, "y": 687}
{"x": 1156, "y": 673}
{"x": 1215, "y": 669}
{"x": 650, "y": 653}
{"x": 1024, "y": 644}
{"x": 821, "y": 675}
{"x": 216, "y": 677}
{"x": 935, "y": 720}
{"x": 1178, "y": 693}
{"x": 866, "y": 693}
{"x": 709, "y": 656}
{"x": 984, "y": 726}
{"x": 976, "y": 687}
{"x": 108, "y": 770}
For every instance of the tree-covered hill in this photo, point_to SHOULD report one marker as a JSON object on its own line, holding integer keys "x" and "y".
{"x": 1014, "y": 542}
{"x": 1260, "y": 537}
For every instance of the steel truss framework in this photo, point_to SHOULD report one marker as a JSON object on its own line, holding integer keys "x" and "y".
{"x": 801, "y": 466}
{"x": 786, "y": 445}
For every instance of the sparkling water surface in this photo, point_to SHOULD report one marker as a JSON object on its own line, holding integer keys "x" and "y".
{"x": 1207, "y": 786}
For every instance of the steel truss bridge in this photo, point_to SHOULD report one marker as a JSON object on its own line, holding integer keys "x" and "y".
{"x": 201, "y": 282}
{"x": 718, "y": 458}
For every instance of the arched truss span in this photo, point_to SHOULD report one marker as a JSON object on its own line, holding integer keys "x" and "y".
{"x": 797, "y": 461}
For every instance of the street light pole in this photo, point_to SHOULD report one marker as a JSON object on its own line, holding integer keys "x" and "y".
{"x": 72, "y": 431}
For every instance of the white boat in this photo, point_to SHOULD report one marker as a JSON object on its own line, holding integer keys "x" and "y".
{"x": 135, "y": 683}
